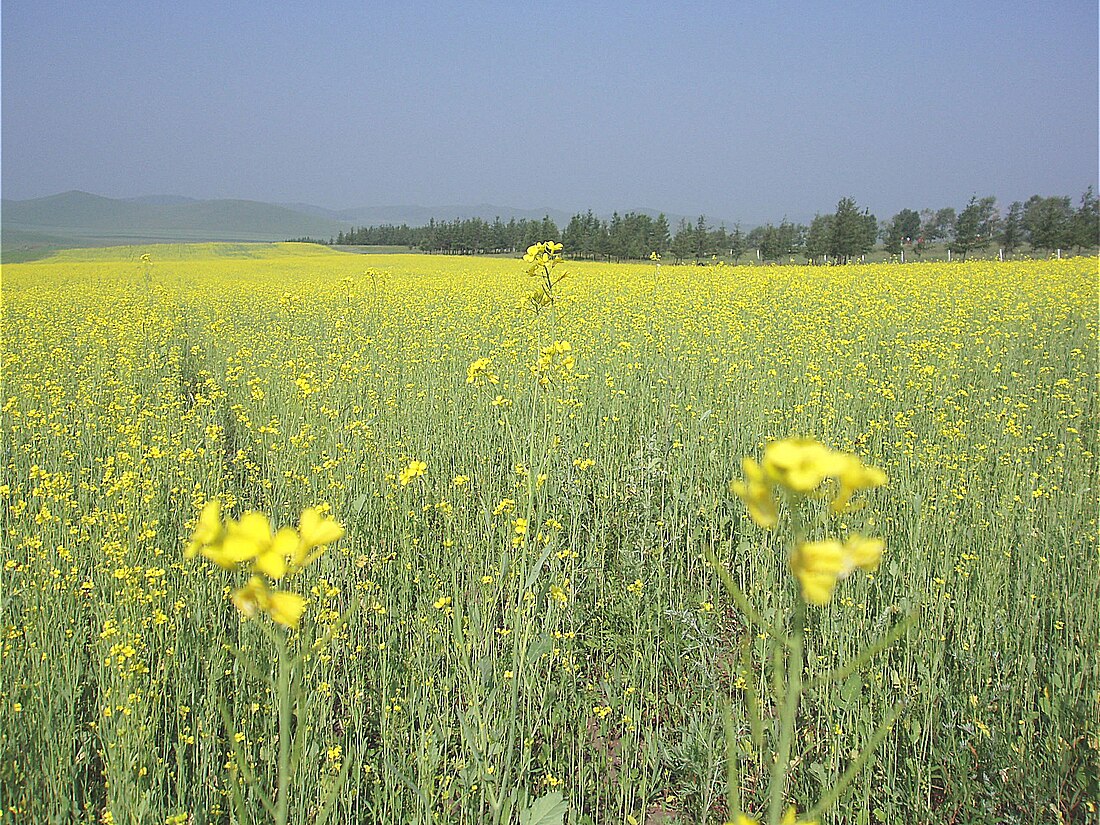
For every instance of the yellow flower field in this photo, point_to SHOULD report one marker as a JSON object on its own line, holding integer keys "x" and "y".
{"x": 520, "y": 604}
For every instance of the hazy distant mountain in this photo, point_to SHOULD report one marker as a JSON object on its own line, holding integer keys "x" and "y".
{"x": 162, "y": 200}
{"x": 82, "y": 216}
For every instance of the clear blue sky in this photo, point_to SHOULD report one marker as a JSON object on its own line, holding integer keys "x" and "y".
{"x": 742, "y": 111}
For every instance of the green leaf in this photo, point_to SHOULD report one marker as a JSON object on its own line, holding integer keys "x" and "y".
{"x": 549, "y": 809}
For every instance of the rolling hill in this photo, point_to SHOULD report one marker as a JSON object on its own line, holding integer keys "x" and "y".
{"x": 83, "y": 217}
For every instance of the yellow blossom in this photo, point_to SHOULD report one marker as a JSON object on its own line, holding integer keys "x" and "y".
{"x": 413, "y": 471}
{"x": 819, "y": 565}
{"x": 758, "y": 495}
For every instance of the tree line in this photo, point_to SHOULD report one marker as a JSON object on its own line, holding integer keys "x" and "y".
{"x": 1042, "y": 223}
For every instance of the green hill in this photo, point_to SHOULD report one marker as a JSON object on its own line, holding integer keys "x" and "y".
{"x": 79, "y": 217}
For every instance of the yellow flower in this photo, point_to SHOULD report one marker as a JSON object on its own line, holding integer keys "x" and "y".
{"x": 854, "y": 476}
{"x": 789, "y": 818}
{"x": 862, "y": 553}
{"x": 758, "y": 495}
{"x": 286, "y": 608}
{"x": 243, "y": 541}
{"x": 819, "y": 565}
{"x": 209, "y": 529}
{"x": 283, "y": 607}
{"x": 413, "y": 471}
{"x": 800, "y": 464}
{"x": 478, "y": 372}
{"x": 252, "y": 598}
{"x": 316, "y": 531}
{"x": 272, "y": 560}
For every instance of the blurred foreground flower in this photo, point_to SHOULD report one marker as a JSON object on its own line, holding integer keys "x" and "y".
{"x": 269, "y": 556}
{"x": 802, "y": 466}
{"x": 819, "y": 565}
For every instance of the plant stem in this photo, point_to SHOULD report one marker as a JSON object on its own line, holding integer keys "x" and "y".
{"x": 792, "y": 695}
{"x": 282, "y": 803}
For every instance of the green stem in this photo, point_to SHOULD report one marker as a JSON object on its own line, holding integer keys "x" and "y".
{"x": 733, "y": 762}
{"x": 793, "y": 693}
{"x": 282, "y": 803}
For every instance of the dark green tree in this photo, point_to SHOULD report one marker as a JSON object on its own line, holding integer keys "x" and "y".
{"x": 683, "y": 242}
{"x": 661, "y": 238}
{"x": 1048, "y": 222}
{"x": 853, "y": 232}
{"x": 1011, "y": 236}
{"x": 937, "y": 225}
{"x": 1086, "y": 222}
{"x": 819, "y": 237}
{"x": 974, "y": 226}
{"x": 736, "y": 241}
{"x": 902, "y": 230}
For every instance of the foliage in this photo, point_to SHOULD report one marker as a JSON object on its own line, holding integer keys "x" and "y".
{"x": 852, "y": 232}
{"x": 975, "y": 226}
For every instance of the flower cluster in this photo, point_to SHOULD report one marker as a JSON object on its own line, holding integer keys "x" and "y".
{"x": 412, "y": 472}
{"x": 542, "y": 256}
{"x": 555, "y": 361}
{"x": 819, "y": 565}
{"x": 789, "y": 818}
{"x": 804, "y": 468}
{"x": 231, "y": 544}
{"x": 541, "y": 259}
{"x": 480, "y": 372}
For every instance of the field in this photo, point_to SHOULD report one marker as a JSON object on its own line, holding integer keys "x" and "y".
{"x": 534, "y": 614}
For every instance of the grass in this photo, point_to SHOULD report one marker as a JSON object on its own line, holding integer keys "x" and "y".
{"x": 587, "y": 652}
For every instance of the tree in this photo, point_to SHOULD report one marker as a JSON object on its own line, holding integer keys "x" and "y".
{"x": 891, "y": 237}
{"x": 975, "y": 226}
{"x": 1012, "y": 228}
{"x": 1086, "y": 222}
{"x": 683, "y": 242}
{"x": 853, "y": 232}
{"x": 819, "y": 237}
{"x": 661, "y": 238}
{"x": 938, "y": 225}
{"x": 736, "y": 241}
{"x": 769, "y": 242}
{"x": 701, "y": 238}
{"x": 1048, "y": 222}
{"x": 902, "y": 230}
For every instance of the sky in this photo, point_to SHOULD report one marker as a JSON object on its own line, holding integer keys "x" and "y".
{"x": 742, "y": 111}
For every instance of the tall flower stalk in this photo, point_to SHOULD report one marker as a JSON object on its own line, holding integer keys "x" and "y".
{"x": 807, "y": 483}
{"x": 250, "y": 545}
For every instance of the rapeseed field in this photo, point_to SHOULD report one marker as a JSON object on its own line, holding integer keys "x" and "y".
{"x": 295, "y": 535}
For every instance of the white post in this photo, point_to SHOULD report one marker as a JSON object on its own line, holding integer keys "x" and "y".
{"x": 1001, "y": 254}
{"x": 903, "y": 254}
{"x": 949, "y": 256}
{"x": 758, "y": 254}
{"x": 1059, "y": 254}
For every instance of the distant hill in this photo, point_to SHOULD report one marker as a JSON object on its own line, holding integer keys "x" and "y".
{"x": 80, "y": 216}
{"x": 82, "y": 219}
